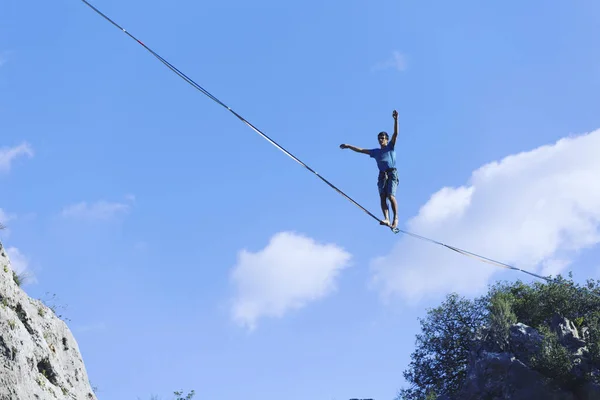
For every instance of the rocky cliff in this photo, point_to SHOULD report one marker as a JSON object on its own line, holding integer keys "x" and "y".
{"x": 39, "y": 357}
{"x": 511, "y": 371}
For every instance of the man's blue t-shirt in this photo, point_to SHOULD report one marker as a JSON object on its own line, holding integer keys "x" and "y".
{"x": 386, "y": 157}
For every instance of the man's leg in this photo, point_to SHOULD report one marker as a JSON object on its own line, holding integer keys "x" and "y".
{"x": 394, "y": 209}
{"x": 391, "y": 190}
{"x": 384, "y": 208}
{"x": 381, "y": 186}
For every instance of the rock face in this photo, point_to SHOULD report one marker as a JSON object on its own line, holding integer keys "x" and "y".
{"x": 496, "y": 373}
{"x": 39, "y": 358}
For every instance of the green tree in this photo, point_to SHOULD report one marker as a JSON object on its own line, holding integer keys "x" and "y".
{"x": 439, "y": 363}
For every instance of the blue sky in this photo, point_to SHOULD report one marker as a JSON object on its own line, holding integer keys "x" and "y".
{"x": 192, "y": 254}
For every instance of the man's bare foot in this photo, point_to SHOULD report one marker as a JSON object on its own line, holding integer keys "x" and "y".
{"x": 384, "y": 222}
{"x": 395, "y": 224}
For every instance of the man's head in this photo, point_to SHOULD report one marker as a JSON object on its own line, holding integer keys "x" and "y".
{"x": 383, "y": 138}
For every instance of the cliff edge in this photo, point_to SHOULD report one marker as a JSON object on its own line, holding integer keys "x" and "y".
{"x": 39, "y": 357}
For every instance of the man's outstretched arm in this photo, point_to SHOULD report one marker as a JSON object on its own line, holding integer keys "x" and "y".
{"x": 356, "y": 149}
{"x": 395, "y": 135}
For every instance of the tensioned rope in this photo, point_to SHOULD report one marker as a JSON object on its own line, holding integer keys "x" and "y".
{"x": 395, "y": 230}
{"x": 200, "y": 88}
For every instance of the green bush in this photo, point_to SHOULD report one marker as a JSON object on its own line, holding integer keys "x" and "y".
{"x": 500, "y": 318}
{"x": 553, "y": 360}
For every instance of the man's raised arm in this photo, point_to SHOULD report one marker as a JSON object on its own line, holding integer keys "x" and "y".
{"x": 356, "y": 149}
{"x": 395, "y": 135}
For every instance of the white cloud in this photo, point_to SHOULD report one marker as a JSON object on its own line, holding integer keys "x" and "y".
{"x": 291, "y": 271}
{"x": 534, "y": 210}
{"x": 19, "y": 263}
{"x": 397, "y": 61}
{"x": 99, "y": 210}
{"x": 9, "y": 154}
{"x": 4, "y": 219}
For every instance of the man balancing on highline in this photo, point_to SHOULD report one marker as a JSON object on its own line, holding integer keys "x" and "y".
{"x": 387, "y": 182}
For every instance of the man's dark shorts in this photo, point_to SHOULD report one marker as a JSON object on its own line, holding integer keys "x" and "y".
{"x": 387, "y": 182}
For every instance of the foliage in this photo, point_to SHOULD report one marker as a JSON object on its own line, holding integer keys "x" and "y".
{"x": 19, "y": 278}
{"x": 54, "y": 307}
{"x": 440, "y": 360}
{"x": 537, "y": 303}
{"x": 500, "y": 318}
{"x": 593, "y": 339}
{"x": 179, "y": 395}
{"x": 451, "y": 331}
{"x": 189, "y": 396}
{"x": 553, "y": 360}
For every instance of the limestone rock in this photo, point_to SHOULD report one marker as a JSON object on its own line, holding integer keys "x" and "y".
{"x": 524, "y": 341}
{"x": 496, "y": 375}
{"x": 39, "y": 357}
{"x": 567, "y": 333}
